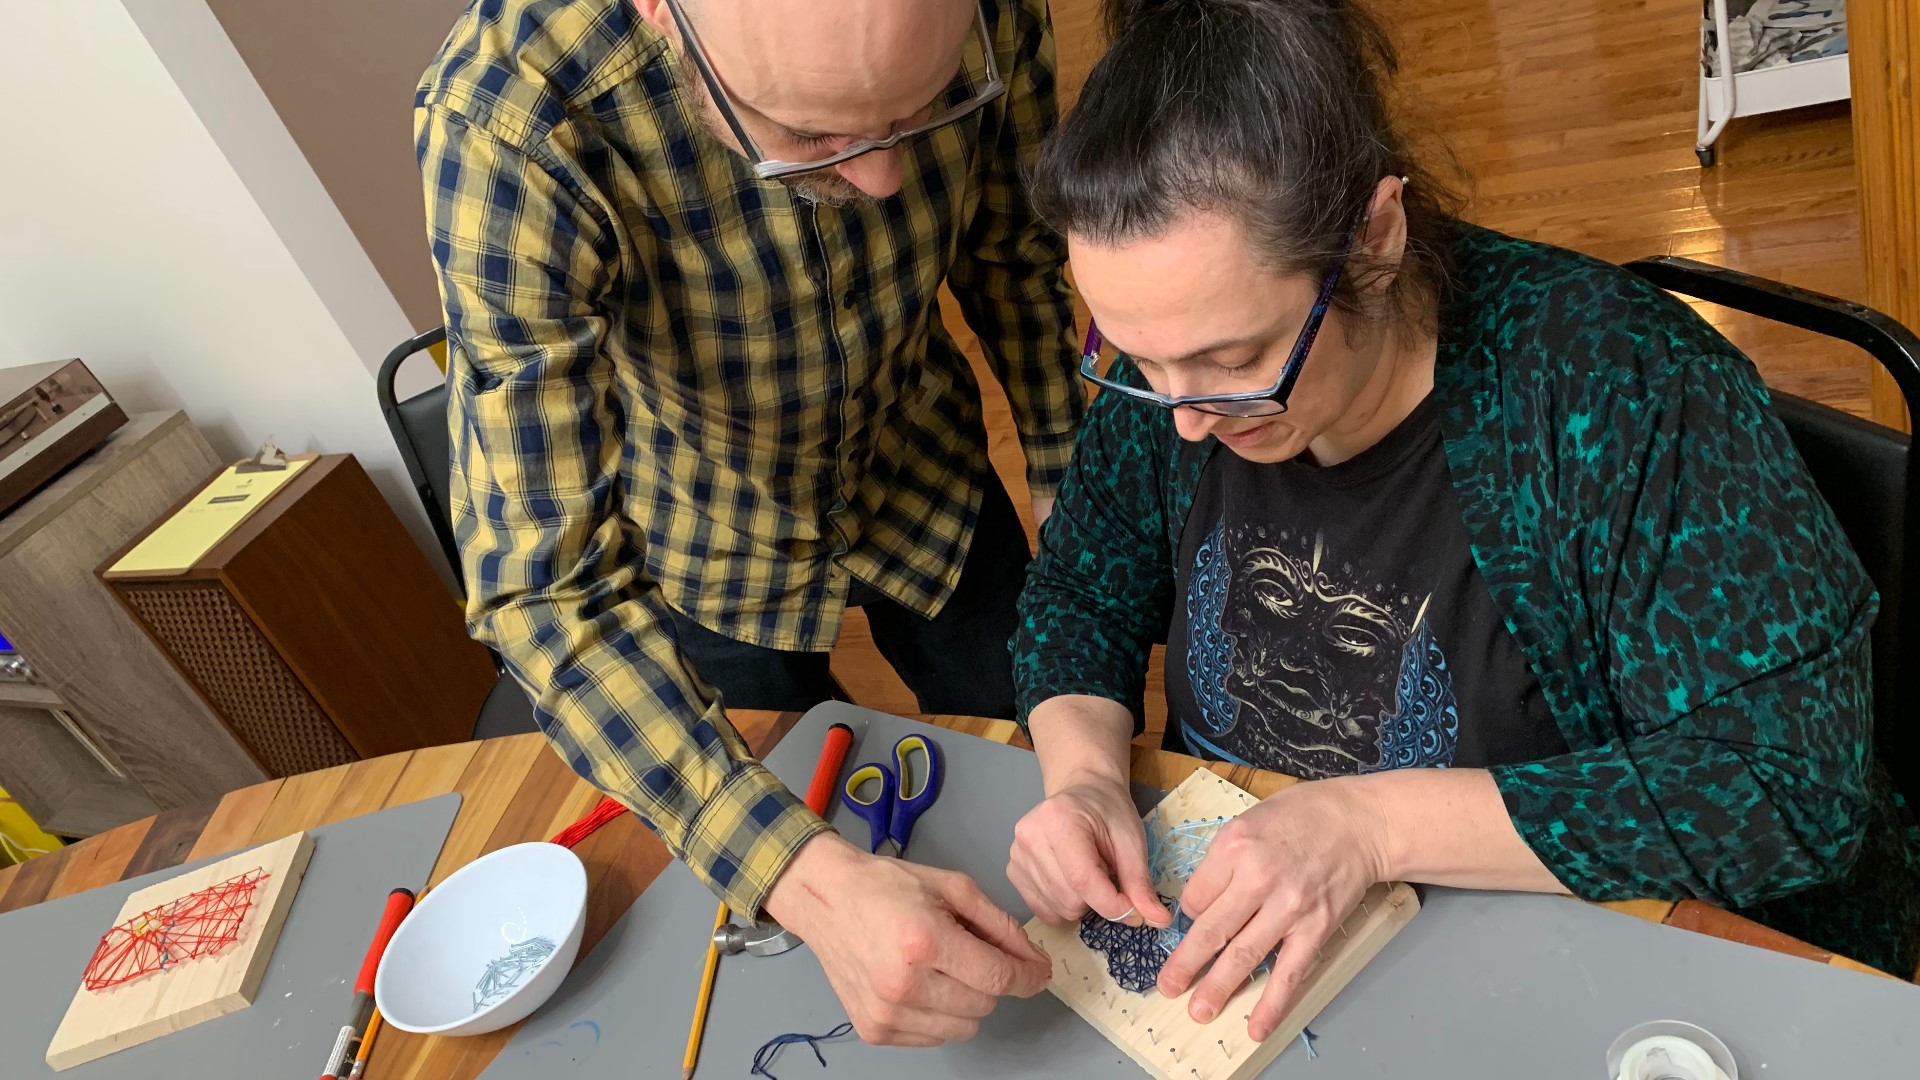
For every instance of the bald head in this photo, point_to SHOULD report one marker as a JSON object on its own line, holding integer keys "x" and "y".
{"x": 809, "y": 76}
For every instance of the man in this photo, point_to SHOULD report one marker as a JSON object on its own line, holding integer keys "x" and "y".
{"x": 702, "y": 400}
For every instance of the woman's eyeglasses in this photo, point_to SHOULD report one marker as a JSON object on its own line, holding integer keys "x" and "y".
{"x": 1269, "y": 402}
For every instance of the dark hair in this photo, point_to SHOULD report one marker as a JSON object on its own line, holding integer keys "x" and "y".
{"x": 1273, "y": 112}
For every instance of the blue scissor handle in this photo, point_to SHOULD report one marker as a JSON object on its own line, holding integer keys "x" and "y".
{"x": 878, "y": 809}
{"x": 916, "y": 760}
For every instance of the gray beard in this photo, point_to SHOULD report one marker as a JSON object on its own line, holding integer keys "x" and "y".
{"x": 835, "y": 192}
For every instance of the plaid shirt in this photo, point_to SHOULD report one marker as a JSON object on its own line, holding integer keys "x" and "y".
{"x": 677, "y": 386}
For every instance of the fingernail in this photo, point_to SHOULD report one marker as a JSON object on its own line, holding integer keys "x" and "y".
{"x": 1204, "y": 1012}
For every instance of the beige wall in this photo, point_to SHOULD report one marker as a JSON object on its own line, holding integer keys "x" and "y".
{"x": 191, "y": 258}
{"x": 341, "y": 75}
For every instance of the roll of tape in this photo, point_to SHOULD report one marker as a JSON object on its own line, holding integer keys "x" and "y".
{"x": 1670, "y": 1050}
{"x": 1668, "y": 1057}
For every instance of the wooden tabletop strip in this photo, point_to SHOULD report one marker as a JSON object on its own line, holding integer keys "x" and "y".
{"x": 302, "y": 800}
{"x": 430, "y": 772}
{"x": 1718, "y": 922}
{"x": 34, "y": 877}
{"x": 100, "y": 860}
{"x": 365, "y": 788}
{"x": 530, "y": 814}
{"x": 235, "y": 819}
{"x": 173, "y": 835}
{"x": 488, "y": 785}
{"x": 9, "y": 873}
{"x": 1650, "y": 910}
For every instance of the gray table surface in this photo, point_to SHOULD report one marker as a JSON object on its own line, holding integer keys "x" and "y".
{"x": 1478, "y": 986}
{"x": 304, "y": 997}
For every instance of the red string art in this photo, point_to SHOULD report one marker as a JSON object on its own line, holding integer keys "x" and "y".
{"x": 195, "y": 925}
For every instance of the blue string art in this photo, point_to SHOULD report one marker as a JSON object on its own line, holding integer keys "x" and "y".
{"x": 1135, "y": 955}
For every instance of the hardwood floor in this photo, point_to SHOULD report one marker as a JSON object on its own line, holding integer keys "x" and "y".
{"x": 1575, "y": 120}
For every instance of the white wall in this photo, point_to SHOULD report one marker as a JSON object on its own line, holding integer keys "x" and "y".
{"x": 190, "y": 257}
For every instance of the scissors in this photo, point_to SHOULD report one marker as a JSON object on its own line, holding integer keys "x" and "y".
{"x": 905, "y": 790}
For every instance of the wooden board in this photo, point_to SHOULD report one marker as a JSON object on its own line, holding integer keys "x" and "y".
{"x": 99, "y": 1022}
{"x": 1155, "y": 1031}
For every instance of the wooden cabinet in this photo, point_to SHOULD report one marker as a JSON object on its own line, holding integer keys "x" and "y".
{"x": 315, "y": 629}
{"x": 114, "y": 733}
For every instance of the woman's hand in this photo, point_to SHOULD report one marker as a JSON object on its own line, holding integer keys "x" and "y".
{"x": 1285, "y": 872}
{"x": 1084, "y": 848}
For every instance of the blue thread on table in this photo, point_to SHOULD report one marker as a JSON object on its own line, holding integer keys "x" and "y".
{"x": 763, "y": 1057}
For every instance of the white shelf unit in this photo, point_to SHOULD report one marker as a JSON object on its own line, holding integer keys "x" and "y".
{"x": 1750, "y": 93}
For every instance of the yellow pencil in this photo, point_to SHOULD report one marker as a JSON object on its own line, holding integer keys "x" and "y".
{"x": 706, "y": 995}
{"x": 366, "y": 1045}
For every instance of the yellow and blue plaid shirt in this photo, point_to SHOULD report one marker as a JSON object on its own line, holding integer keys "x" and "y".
{"x": 677, "y": 386}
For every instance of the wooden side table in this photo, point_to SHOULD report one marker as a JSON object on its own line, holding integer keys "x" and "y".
{"x": 111, "y": 733}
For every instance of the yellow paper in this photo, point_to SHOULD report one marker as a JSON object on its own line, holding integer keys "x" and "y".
{"x": 182, "y": 539}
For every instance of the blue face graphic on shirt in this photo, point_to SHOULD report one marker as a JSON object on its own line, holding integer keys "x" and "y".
{"x": 1315, "y": 660}
{"x": 1293, "y": 669}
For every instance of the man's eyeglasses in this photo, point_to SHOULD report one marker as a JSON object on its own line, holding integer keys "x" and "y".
{"x": 981, "y": 88}
{"x": 1269, "y": 402}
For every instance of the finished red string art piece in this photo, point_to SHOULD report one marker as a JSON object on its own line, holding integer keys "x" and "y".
{"x": 198, "y": 924}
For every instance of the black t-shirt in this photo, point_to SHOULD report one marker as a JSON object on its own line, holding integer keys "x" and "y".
{"x": 1331, "y": 621}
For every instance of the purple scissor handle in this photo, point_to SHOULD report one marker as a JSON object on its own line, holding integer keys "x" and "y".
{"x": 892, "y": 798}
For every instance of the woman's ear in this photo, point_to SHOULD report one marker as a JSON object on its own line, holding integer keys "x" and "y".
{"x": 1384, "y": 237}
{"x": 1377, "y": 251}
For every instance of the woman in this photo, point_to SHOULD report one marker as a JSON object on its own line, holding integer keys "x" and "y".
{"x": 1401, "y": 492}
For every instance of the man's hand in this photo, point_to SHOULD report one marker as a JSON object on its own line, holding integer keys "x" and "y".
{"x": 1285, "y": 872}
{"x": 917, "y": 955}
{"x": 1084, "y": 848}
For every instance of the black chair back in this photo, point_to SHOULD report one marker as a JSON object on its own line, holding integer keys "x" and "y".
{"x": 419, "y": 427}
{"x": 1861, "y": 468}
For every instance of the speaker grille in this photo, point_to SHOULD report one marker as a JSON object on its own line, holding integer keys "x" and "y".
{"x": 220, "y": 649}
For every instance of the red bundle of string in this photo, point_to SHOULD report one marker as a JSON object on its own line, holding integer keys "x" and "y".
{"x": 606, "y": 811}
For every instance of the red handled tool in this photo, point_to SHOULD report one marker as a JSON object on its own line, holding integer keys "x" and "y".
{"x": 399, "y": 903}
{"x": 826, "y": 775}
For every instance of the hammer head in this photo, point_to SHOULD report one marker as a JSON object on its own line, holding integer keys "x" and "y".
{"x": 757, "y": 939}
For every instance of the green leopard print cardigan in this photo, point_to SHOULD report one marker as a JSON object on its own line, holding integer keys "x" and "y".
{"x": 1696, "y": 618}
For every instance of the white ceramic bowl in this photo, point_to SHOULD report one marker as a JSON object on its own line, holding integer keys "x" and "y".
{"x": 491, "y": 910}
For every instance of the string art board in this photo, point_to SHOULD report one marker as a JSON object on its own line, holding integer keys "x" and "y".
{"x": 1112, "y": 987}
{"x": 182, "y": 951}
